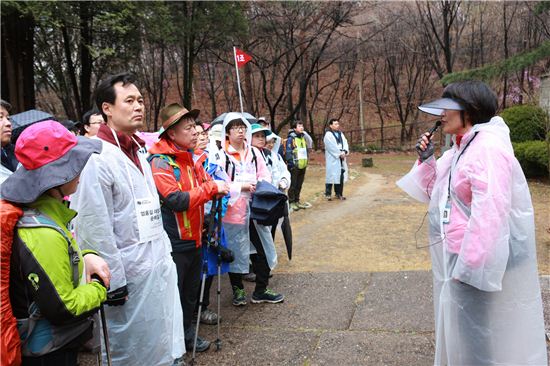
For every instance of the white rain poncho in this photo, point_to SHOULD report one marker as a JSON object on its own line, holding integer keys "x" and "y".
{"x": 237, "y": 217}
{"x": 335, "y": 165}
{"x": 487, "y": 299}
{"x": 280, "y": 176}
{"x": 148, "y": 329}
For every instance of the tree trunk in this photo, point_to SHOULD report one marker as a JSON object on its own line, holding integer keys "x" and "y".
{"x": 72, "y": 113}
{"x": 86, "y": 40}
{"x": 17, "y": 60}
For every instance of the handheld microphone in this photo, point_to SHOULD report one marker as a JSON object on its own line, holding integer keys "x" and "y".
{"x": 434, "y": 128}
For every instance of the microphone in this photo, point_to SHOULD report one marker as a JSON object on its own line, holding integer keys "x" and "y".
{"x": 425, "y": 154}
{"x": 434, "y": 128}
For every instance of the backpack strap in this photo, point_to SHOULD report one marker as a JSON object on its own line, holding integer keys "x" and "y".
{"x": 227, "y": 162}
{"x": 170, "y": 160}
{"x": 33, "y": 218}
{"x": 254, "y": 159}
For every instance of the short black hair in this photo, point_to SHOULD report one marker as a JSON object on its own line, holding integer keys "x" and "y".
{"x": 234, "y": 122}
{"x": 5, "y": 105}
{"x": 480, "y": 103}
{"x": 332, "y": 120}
{"x": 86, "y": 119}
{"x": 105, "y": 91}
{"x": 295, "y": 123}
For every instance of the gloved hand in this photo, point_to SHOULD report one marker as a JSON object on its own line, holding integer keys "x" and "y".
{"x": 117, "y": 297}
{"x": 425, "y": 147}
{"x": 226, "y": 254}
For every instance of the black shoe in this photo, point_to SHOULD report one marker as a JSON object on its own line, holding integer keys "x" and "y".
{"x": 269, "y": 296}
{"x": 202, "y": 345}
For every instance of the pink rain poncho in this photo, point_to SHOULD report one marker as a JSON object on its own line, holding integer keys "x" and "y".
{"x": 487, "y": 299}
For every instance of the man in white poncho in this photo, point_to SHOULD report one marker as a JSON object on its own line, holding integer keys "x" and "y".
{"x": 336, "y": 150}
{"x": 119, "y": 217}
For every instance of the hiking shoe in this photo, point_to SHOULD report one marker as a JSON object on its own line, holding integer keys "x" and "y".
{"x": 269, "y": 296}
{"x": 209, "y": 317}
{"x": 239, "y": 296}
{"x": 328, "y": 198}
{"x": 341, "y": 198}
{"x": 294, "y": 206}
{"x": 250, "y": 277}
{"x": 179, "y": 362}
{"x": 202, "y": 345}
{"x": 304, "y": 205}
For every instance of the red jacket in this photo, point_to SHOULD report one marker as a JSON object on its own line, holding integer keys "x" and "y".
{"x": 10, "y": 348}
{"x": 182, "y": 201}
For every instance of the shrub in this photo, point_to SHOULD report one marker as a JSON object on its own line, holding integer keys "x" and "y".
{"x": 526, "y": 122}
{"x": 533, "y": 157}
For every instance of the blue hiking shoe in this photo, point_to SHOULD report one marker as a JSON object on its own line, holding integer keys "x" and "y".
{"x": 268, "y": 296}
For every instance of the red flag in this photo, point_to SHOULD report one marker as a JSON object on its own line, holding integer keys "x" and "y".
{"x": 241, "y": 58}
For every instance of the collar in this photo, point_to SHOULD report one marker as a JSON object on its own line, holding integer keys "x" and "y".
{"x": 55, "y": 209}
{"x": 127, "y": 143}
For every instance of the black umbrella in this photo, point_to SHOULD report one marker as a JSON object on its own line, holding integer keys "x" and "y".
{"x": 268, "y": 204}
{"x": 23, "y": 120}
{"x": 287, "y": 234}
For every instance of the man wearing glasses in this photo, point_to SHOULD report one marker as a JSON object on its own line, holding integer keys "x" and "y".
{"x": 91, "y": 122}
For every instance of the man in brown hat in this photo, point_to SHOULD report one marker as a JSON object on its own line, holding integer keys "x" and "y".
{"x": 184, "y": 187}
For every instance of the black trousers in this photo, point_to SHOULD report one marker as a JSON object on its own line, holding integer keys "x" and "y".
{"x": 259, "y": 264}
{"x": 338, "y": 188}
{"x": 61, "y": 357}
{"x": 296, "y": 180}
{"x": 188, "y": 266}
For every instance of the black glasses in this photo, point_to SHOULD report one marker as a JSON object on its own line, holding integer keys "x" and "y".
{"x": 238, "y": 128}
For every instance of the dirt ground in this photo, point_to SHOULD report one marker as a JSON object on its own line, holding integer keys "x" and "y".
{"x": 374, "y": 229}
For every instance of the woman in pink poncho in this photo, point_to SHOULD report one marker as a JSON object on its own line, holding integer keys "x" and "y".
{"x": 487, "y": 299}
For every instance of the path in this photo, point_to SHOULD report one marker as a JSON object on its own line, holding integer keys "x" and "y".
{"x": 358, "y": 291}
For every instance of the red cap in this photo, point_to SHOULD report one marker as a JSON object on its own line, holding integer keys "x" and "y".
{"x": 43, "y": 143}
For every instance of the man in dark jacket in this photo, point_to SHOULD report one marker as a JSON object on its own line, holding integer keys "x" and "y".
{"x": 296, "y": 157}
{"x": 184, "y": 187}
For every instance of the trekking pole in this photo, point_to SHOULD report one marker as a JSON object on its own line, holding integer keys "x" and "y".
{"x": 105, "y": 335}
{"x": 210, "y": 234}
{"x": 201, "y": 297}
{"x": 218, "y": 292}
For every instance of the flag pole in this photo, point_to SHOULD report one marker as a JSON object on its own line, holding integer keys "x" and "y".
{"x": 238, "y": 78}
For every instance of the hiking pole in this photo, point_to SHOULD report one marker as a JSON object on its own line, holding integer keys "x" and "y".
{"x": 218, "y": 290}
{"x": 203, "y": 279}
{"x": 105, "y": 335}
{"x": 201, "y": 297}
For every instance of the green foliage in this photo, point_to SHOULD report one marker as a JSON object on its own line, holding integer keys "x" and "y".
{"x": 498, "y": 69}
{"x": 533, "y": 158}
{"x": 526, "y": 122}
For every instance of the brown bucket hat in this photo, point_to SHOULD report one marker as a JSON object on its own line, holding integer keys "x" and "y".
{"x": 172, "y": 114}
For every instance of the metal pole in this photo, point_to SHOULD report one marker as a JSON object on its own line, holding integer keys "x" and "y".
{"x": 105, "y": 335}
{"x": 238, "y": 78}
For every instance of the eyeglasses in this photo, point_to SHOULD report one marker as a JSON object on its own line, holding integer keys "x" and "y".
{"x": 238, "y": 128}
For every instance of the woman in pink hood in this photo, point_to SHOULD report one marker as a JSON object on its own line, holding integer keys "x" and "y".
{"x": 487, "y": 299}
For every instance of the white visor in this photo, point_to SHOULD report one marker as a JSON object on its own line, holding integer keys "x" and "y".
{"x": 437, "y": 106}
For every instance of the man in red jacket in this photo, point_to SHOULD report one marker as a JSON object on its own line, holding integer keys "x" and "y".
{"x": 184, "y": 187}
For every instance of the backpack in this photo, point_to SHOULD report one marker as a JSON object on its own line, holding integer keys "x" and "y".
{"x": 37, "y": 334}
{"x": 10, "y": 345}
{"x": 170, "y": 160}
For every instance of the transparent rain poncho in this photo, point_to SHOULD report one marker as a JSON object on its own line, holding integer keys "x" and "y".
{"x": 487, "y": 299}
{"x": 148, "y": 328}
